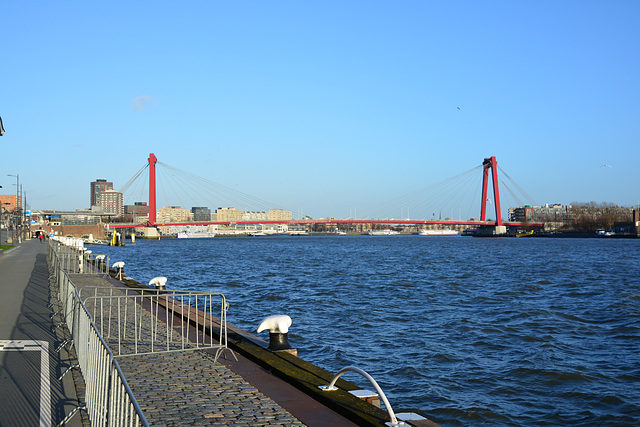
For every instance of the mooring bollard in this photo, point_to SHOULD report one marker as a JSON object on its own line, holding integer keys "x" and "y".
{"x": 119, "y": 265}
{"x": 158, "y": 282}
{"x": 278, "y": 327}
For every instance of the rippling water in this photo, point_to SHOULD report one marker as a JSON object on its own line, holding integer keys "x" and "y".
{"x": 465, "y": 331}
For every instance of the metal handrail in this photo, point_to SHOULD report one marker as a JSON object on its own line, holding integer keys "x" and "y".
{"x": 105, "y": 403}
{"x": 118, "y": 311}
{"x": 331, "y": 387}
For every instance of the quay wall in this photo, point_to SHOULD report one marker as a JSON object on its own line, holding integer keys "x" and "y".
{"x": 303, "y": 375}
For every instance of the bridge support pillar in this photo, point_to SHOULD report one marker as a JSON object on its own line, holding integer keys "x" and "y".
{"x": 490, "y": 230}
{"x": 151, "y": 233}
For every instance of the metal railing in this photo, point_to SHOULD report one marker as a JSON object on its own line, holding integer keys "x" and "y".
{"x": 393, "y": 421}
{"x": 75, "y": 259}
{"x": 137, "y": 321}
{"x": 108, "y": 398}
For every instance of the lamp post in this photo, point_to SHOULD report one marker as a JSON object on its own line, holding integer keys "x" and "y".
{"x": 15, "y": 209}
{"x": 2, "y": 218}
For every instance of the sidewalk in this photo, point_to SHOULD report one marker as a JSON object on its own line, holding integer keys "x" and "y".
{"x": 30, "y": 391}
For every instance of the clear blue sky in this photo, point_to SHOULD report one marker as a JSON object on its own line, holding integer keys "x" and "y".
{"x": 325, "y": 107}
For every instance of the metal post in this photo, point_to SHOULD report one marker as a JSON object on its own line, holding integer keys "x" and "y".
{"x": 16, "y": 207}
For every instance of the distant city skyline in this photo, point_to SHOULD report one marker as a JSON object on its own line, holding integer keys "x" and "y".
{"x": 322, "y": 109}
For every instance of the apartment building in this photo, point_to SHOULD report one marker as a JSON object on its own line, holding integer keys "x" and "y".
{"x": 280, "y": 215}
{"x": 229, "y": 214}
{"x": 111, "y": 202}
{"x": 98, "y": 187}
{"x": 173, "y": 214}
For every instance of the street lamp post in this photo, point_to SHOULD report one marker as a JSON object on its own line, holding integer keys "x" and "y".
{"x": 2, "y": 219}
{"x": 15, "y": 209}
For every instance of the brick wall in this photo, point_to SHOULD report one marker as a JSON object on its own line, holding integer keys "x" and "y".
{"x": 78, "y": 230}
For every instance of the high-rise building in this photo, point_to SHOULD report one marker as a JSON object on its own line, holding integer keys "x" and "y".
{"x": 111, "y": 202}
{"x": 97, "y": 187}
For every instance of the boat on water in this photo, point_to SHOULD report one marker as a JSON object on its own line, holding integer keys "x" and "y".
{"x": 195, "y": 234}
{"x": 386, "y": 232}
{"x": 525, "y": 234}
{"x": 439, "y": 232}
{"x": 95, "y": 242}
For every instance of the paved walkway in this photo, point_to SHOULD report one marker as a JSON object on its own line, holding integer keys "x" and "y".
{"x": 189, "y": 388}
{"x": 30, "y": 391}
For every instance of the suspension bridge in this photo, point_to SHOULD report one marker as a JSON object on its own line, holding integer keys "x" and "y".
{"x": 490, "y": 181}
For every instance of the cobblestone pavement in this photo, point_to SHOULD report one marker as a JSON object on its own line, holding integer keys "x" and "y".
{"x": 189, "y": 388}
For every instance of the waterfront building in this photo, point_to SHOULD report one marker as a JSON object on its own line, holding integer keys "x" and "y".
{"x": 581, "y": 216}
{"x": 280, "y": 215}
{"x": 173, "y": 214}
{"x": 8, "y": 202}
{"x": 78, "y": 217}
{"x": 111, "y": 202}
{"x": 135, "y": 212}
{"x": 229, "y": 214}
{"x": 255, "y": 216}
{"x": 201, "y": 214}
{"x": 547, "y": 213}
{"x": 97, "y": 187}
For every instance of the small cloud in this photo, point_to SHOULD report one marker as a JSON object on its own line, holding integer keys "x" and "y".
{"x": 141, "y": 102}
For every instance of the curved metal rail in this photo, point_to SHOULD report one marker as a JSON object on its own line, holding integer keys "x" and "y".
{"x": 332, "y": 386}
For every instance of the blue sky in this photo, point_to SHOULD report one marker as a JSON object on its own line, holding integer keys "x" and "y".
{"x": 321, "y": 107}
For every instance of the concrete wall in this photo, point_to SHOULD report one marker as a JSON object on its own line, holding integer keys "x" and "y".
{"x": 78, "y": 230}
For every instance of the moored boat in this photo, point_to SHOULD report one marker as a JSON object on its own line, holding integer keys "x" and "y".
{"x": 386, "y": 232}
{"x": 439, "y": 232}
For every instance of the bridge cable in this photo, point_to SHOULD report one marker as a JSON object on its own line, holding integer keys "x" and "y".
{"x": 218, "y": 191}
{"x": 520, "y": 189}
{"x": 126, "y": 186}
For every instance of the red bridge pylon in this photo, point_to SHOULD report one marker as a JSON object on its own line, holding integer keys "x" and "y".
{"x": 490, "y": 163}
{"x": 152, "y": 189}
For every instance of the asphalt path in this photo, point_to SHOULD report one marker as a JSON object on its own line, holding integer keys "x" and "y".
{"x": 31, "y": 393}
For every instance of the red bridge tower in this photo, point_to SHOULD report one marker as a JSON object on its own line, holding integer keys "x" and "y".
{"x": 152, "y": 189}
{"x": 490, "y": 163}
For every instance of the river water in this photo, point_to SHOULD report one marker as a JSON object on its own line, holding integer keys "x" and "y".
{"x": 466, "y": 331}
